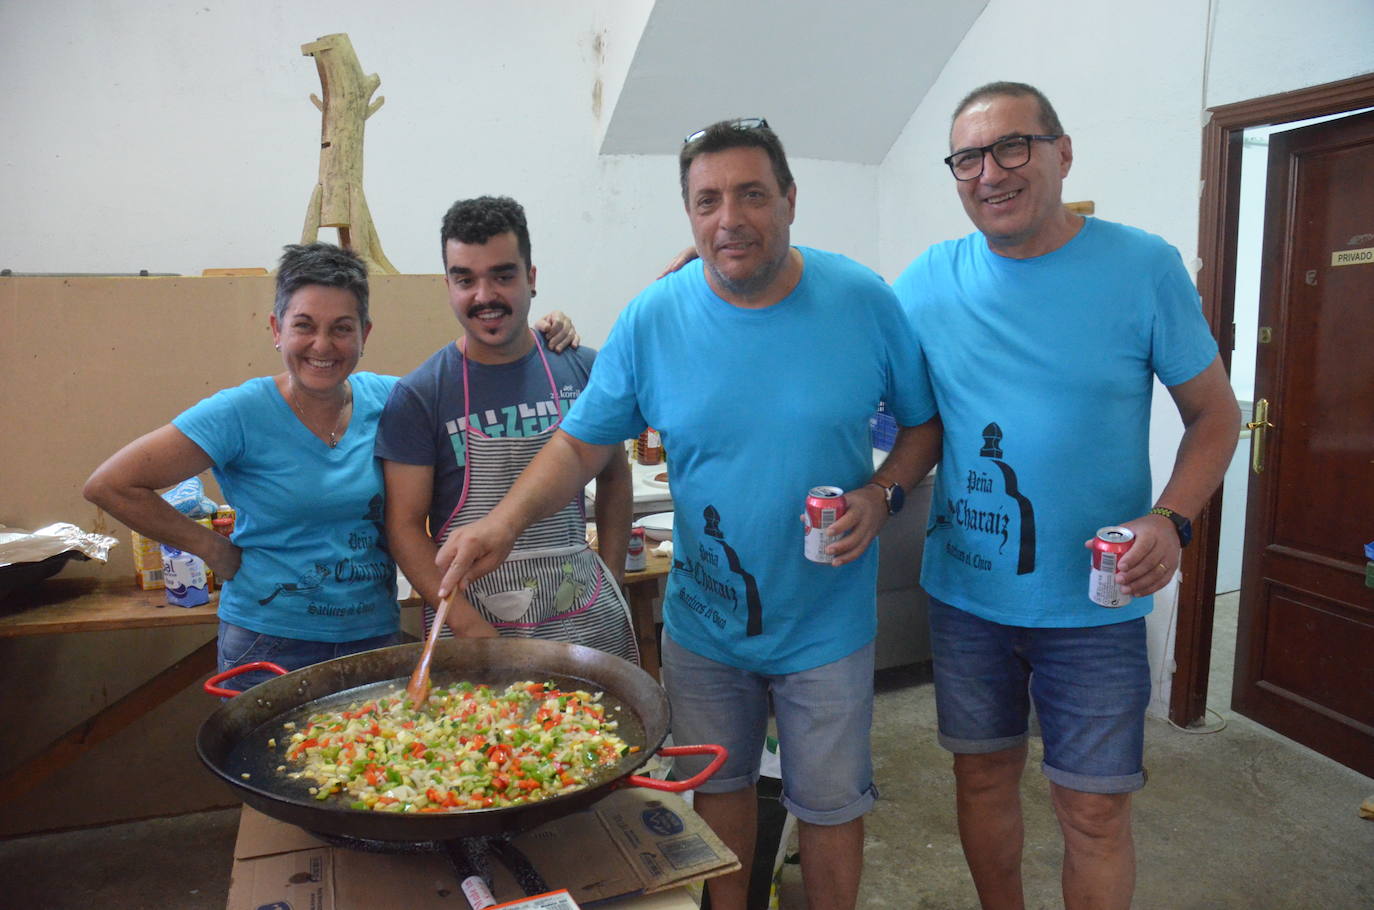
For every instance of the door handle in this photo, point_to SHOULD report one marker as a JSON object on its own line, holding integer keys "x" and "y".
{"x": 1257, "y": 428}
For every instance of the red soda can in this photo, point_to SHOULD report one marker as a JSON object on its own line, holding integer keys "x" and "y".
{"x": 1108, "y": 546}
{"x": 824, "y": 505}
{"x": 635, "y": 557}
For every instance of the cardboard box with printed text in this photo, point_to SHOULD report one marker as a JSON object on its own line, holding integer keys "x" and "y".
{"x": 636, "y": 847}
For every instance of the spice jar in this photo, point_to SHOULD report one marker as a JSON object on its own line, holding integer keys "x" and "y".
{"x": 649, "y": 448}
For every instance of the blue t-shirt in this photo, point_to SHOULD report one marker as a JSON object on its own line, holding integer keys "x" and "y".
{"x": 1044, "y": 373}
{"x": 756, "y": 407}
{"x": 309, "y": 519}
{"x": 422, "y": 420}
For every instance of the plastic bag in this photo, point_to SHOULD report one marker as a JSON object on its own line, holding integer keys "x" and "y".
{"x": 188, "y": 498}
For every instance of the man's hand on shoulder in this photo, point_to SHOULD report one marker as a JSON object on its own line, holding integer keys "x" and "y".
{"x": 1152, "y": 560}
{"x": 678, "y": 261}
{"x": 558, "y": 331}
{"x": 864, "y": 515}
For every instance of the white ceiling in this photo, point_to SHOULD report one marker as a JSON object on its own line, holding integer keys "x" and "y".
{"x": 836, "y": 80}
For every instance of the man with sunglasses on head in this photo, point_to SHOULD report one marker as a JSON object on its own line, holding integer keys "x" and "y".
{"x": 1044, "y": 332}
{"x": 760, "y": 367}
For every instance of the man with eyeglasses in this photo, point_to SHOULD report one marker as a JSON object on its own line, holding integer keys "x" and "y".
{"x": 760, "y": 367}
{"x": 1044, "y": 332}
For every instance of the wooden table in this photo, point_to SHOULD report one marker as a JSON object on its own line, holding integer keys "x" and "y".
{"x": 93, "y": 605}
{"x": 640, "y": 590}
{"x": 65, "y": 605}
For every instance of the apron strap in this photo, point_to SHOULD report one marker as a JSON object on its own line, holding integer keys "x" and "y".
{"x": 466, "y": 428}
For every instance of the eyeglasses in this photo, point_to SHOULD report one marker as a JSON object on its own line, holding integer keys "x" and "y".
{"x": 743, "y": 123}
{"x": 1009, "y": 153}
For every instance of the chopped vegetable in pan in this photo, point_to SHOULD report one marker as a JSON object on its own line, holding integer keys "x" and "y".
{"x": 469, "y": 747}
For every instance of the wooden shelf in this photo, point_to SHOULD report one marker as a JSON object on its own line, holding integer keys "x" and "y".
{"x": 62, "y": 605}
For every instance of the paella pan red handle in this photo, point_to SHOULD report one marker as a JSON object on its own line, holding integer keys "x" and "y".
{"x": 212, "y": 685}
{"x": 691, "y": 783}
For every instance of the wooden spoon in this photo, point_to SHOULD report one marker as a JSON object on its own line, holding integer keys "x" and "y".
{"x": 417, "y": 690}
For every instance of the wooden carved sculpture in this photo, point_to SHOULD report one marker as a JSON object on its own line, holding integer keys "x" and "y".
{"x": 338, "y": 200}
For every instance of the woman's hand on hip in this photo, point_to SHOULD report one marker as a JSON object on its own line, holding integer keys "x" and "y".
{"x": 224, "y": 562}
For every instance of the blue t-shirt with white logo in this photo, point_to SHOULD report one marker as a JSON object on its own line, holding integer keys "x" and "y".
{"x": 756, "y": 407}
{"x": 309, "y": 520}
{"x": 1044, "y": 373}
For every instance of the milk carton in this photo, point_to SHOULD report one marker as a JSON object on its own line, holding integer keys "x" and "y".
{"x": 184, "y": 575}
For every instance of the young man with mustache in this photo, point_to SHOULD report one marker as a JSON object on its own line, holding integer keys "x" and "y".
{"x": 458, "y": 430}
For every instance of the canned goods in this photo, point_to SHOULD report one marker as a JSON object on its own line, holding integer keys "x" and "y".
{"x": 1108, "y": 546}
{"x": 824, "y": 505}
{"x": 635, "y": 556}
{"x": 224, "y": 520}
{"x": 478, "y": 894}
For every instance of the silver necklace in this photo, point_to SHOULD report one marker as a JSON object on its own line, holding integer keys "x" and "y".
{"x": 338, "y": 423}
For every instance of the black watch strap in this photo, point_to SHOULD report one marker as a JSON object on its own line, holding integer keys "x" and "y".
{"x": 893, "y": 494}
{"x": 1182, "y": 524}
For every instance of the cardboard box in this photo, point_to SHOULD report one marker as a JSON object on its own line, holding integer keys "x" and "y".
{"x": 147, "y": 562}
{"x": 636, "y": 847}
{"x": 554, "y": 900}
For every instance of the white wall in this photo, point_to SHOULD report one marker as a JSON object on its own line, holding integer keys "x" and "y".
{"x": 1249, "y": 235}
{"x": 1130, "y": 88}
{"x": 1126, "y": 88}
{"x": 1263, "y": 47}
{"x": 177, "y": 137}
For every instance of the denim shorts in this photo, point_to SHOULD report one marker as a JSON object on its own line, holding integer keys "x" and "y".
{"x": 1090, "y": 687}
{"x": 238, "y": 646}
{"x": 824, "y": 716}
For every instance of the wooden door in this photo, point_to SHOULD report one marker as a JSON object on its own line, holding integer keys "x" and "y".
{"x": 1305, "y": 651}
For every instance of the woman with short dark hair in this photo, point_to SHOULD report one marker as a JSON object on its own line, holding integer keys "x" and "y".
{"x": 306, "y": 576}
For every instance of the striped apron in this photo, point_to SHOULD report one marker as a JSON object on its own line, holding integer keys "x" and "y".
{"x": 552, "y": 585}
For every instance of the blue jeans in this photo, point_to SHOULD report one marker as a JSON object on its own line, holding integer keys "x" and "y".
{"x": 1090, "y": 686}
{"x": 238, "y": 646}
{"x": 824, "y": 716}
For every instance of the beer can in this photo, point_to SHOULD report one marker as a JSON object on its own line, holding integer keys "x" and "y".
{"x": 824, "y": 505}
{"x": 1108, "y": 546}
{"x": 636, "y": 557}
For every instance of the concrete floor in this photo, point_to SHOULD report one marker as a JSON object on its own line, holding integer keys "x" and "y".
{"x": 1239, "y": 818}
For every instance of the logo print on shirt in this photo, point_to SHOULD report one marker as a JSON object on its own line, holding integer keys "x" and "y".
{"x": 989, "y": 511}
{"x": 528, "y": 418}
{"x": 307, "y": 584}
{"x": 707, "y": 583}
